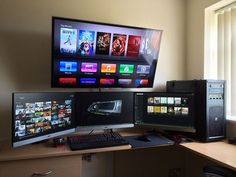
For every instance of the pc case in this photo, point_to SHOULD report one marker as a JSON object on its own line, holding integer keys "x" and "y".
{"x": 209, "y": 106}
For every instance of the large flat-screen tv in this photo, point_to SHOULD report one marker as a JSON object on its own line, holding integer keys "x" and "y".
{"x": 40, "y": 116}
{"x": 104, "y": 110}
{"x": 91, "y": 54}
{"x": 167, "y": 111}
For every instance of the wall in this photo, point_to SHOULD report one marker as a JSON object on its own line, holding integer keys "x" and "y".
{"x": 25, "y": 40}
{"x": 195, "y": 37}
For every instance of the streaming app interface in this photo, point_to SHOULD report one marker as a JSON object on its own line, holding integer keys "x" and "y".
{"x": 89, "y": 54}
{"x": 165, "y": 109}
{"x": 36, "y": 115}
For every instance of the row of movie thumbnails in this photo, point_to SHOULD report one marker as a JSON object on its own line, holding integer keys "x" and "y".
{"x": 84, "y": 43}
{"x": 167, "y": 110}
{"x": 168, "y": 105}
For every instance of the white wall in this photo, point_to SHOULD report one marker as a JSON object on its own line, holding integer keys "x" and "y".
{"x": 25, "y": 40}
{"x": 195, "y": 37}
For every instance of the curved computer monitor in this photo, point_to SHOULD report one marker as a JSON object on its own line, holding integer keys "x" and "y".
{"x": 40, "y": 116}
{"x": 104, "y": 110}
{"x": 167, "y": 111}
{"x": 91, "y": 54}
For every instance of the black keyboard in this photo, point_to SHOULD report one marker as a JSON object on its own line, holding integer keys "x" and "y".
{"x": 79, "y": 142}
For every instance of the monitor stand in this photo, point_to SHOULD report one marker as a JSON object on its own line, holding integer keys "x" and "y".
{"x": 108, "y": 130}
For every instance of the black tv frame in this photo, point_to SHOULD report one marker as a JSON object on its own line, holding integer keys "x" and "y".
{"x": 152, "y": 69}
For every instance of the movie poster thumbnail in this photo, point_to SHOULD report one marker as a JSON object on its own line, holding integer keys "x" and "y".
{"x": 150, "y": 44}
{"x": 178, "y": 110}
{"x": 118, "y": 44}
{"x": 170, "y": 110}
{"x": 86, "y": 42}
{"x": 163, "y": 109}
{"x": 150, "y": 100}
{"x": 68, "y": 40}
{"x": 103, "y": 43}
{"x": 39, "y": 117}
{"x": 157, "y": 109}
{"x": 133, "y": 46}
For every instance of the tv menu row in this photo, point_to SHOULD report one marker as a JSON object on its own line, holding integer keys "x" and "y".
{"x": 106, "y": 82}
{"x": 71, "y": 67}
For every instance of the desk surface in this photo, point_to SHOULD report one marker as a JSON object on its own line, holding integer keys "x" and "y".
{"x": 221, "y": 152}
{"x": 43, "y": 150}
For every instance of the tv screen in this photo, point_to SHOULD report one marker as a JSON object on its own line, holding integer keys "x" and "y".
{"x": 168, "y": 111}
{"x": 99, "y": 55}
{"x": 104, "y": 110}
{"x": 39, "y": 116}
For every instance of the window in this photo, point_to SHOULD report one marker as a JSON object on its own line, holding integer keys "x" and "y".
{"x": 220, "y": 51}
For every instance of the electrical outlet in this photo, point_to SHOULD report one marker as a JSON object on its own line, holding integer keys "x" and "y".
{"x": 175, "y": 172}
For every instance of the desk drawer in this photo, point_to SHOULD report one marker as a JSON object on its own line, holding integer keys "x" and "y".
{"x": 47, "y": 167}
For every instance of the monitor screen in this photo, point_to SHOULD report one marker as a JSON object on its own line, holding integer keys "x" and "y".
{"x": 91, "y": 54}
{"x": 39, "y": 116}
{"x": 104, "y": 110}
{"x": 168, "y": 111}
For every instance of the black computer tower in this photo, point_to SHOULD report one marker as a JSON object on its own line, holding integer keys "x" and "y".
{"x": 210, "y": 120}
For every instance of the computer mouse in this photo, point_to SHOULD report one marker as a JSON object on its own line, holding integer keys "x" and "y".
{"x": 144, "y": 138}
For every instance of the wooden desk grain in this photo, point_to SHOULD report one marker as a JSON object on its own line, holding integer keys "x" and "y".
{"x": 44, "y": 150}
{"x": 221, "y": 152}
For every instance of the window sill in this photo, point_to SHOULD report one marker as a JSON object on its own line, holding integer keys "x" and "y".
{"x": 231, "y": 118}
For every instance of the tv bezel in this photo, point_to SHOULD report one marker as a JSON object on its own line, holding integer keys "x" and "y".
{"x": 53, "y": 85}
{"x": 40, "y": 137}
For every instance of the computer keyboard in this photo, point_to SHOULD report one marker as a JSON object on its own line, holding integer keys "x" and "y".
{"x": 79, "y": 142}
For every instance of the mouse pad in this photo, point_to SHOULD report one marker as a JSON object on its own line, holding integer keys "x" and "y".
{"x": 155, "y": 140}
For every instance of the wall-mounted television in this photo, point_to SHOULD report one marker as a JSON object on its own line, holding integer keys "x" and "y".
{"x": 40, "y": 116}
{"x": 99, "y": 55}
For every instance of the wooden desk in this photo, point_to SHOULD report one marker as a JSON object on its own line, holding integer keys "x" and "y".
{"x": 43, "y": 158}
{"x": 220, "y": 152}
{"x": 26, "y": 160}
{"x": 45, "y": 150}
